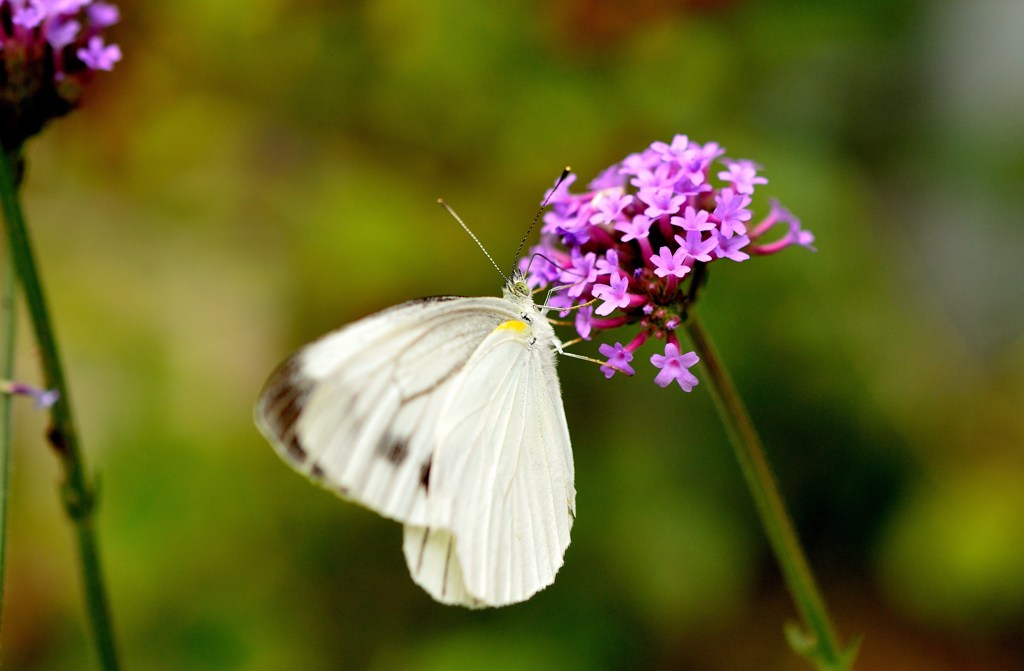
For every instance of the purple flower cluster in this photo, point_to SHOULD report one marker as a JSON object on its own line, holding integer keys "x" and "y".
{"x": 633, "y": 249}
{"x": 49, "y": 50}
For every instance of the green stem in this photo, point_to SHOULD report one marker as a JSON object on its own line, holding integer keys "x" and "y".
{"x": 77, "y": 491}
{"x": 8, "y": 314}
{"x": 818, "y": 642}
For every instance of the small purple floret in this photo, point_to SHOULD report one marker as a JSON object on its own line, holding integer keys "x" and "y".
{"x": 99, "y": 56}
{"x": 103, "y": 15}
{"x": 638, "y": 227}
{"x": 661, "y": 201}
{"x": 675, "y": 367}
{"x": 30, "y": 15}
{"x": 615, "y": 295}
{"x": 60, "y": 33}
{"x": 44, "y": 398}
{"x": 618, "y": 359}
{"x": 732, "y": 248}
{"x": 696, "y": 247}
{"x": 743, "y": 176}
{"x": 693, "y": 220}
{"x": 731, "y": 212}
{"x": 666, "y": 262}
{"x": 609, "y": 208}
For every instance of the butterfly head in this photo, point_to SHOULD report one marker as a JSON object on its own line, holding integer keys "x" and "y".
{"x": 516, "y": 288}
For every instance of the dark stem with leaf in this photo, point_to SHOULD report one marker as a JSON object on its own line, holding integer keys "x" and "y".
{"x": 77, "y": 490}
{"x": 8, "y": 314}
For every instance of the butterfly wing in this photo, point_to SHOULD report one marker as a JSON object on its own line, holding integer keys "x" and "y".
{"x": 357, "y": 410}
{"x": 502, "y": 499}
{"x": 431, "y": 557}
{"x": 444, "y": 414}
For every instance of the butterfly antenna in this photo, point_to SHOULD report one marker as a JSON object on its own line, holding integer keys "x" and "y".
{"x": 522, "y": 243}
{"x": 472, "y": 235}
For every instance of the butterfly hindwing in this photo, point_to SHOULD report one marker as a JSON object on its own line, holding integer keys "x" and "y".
{"x": 503, "y": 474}
{"x": 431, "y": 556}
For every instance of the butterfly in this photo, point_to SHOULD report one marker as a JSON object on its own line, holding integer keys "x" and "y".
{"x": 444, "y": 414}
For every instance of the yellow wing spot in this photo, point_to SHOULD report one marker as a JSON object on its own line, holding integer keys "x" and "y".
{"x": 514, "y": 325}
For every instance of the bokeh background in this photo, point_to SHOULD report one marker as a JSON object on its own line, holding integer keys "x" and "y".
{"x": 256, "y": 173}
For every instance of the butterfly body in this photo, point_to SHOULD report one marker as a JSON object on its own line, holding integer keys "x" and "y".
{"x": 444, "y": 414}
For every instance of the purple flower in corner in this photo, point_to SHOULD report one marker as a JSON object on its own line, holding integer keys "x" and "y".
{"x": 49, "y": 51}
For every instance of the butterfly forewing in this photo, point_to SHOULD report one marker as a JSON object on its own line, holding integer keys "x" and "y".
{"x": 356, "y": 410}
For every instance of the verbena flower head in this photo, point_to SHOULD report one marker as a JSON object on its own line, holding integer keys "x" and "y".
{"x": 634, "y": 248}
{"x": 50, "y": 49}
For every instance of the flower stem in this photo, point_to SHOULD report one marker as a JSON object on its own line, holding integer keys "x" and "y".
{"x": 818, "y": 642}
{"x": 7, "y": 314}
{"x": 77, "y": 492}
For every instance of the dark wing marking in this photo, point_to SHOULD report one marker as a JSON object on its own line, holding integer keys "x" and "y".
{"x": 283, "y": 399}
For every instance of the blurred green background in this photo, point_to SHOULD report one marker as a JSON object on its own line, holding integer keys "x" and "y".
{"x": 256, "y": 173}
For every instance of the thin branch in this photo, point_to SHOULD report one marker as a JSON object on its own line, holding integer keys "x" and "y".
{"x": 77, "y": 491}
{"x": 818, "y": 642}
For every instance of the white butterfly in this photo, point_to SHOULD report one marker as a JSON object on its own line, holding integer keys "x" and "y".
{"x": 444, "y": 414}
